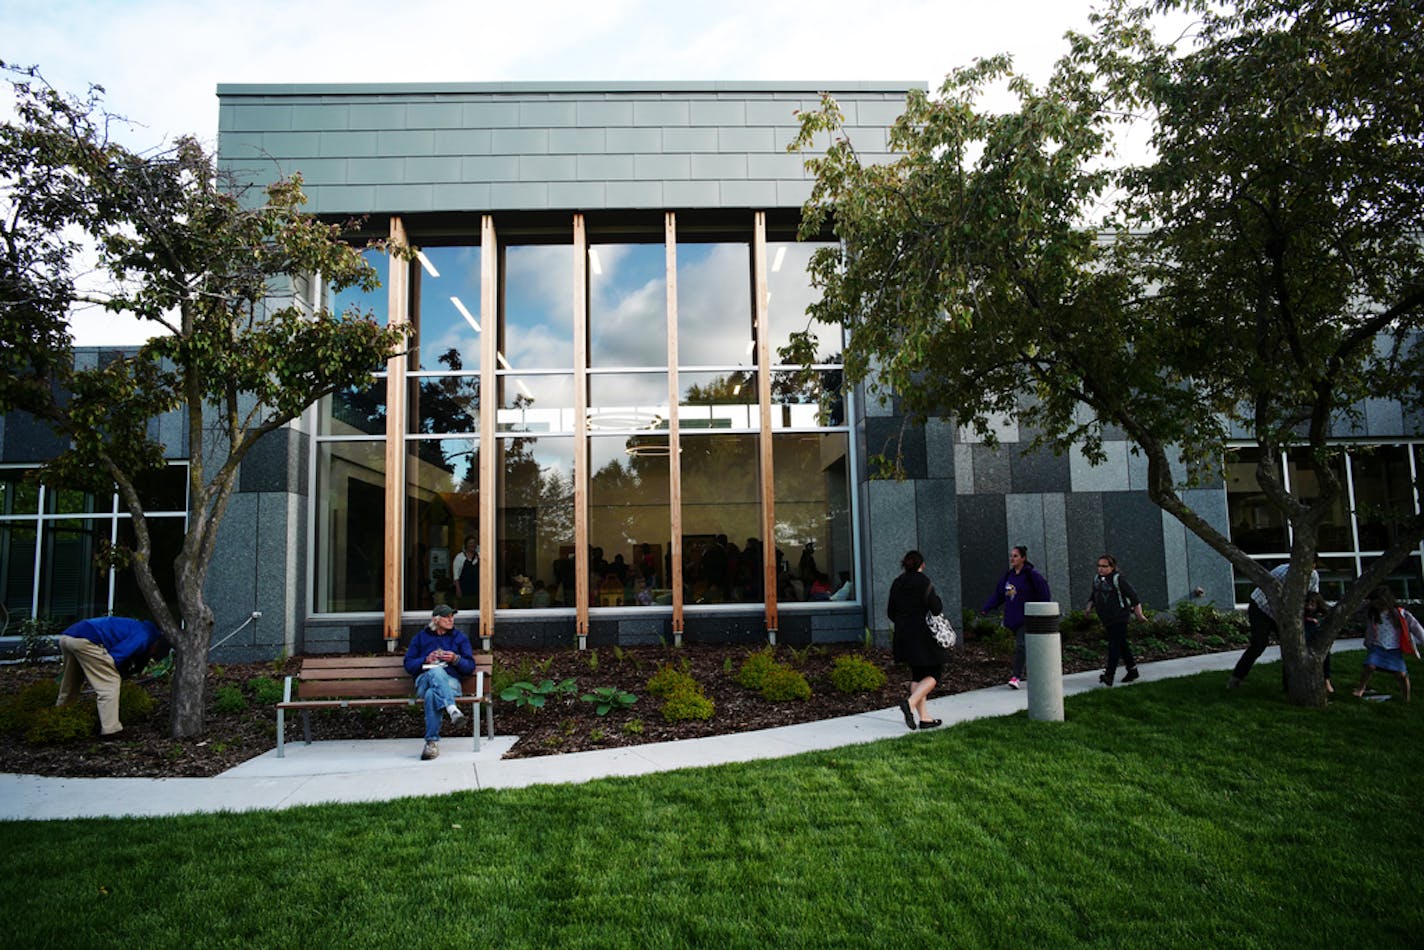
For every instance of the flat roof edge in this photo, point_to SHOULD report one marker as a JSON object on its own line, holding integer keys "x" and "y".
{"x": 417, "y": 88}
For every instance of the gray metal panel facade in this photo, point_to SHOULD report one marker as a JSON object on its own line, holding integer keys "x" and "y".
{"x": 449, "y": 147}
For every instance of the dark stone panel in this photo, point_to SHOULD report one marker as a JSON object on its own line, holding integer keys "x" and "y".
{"x": 1040, "y": 472}
{"x": 367, "y": 638}
{"x": 883, "y": 435}
{"x": 983, "y": 539}
{"x": 277, "y": 463}
{"x": 533, "y": 634}
{"x": 992, "y": 472}
{"x": 1084, "y": 514}
{"x": 796, "y": 630}
{"x": 839, "y": 627}
{"x": 1132, "y": 533}
{"x": 724, "y": 628}
{"x": 29, "y": 440}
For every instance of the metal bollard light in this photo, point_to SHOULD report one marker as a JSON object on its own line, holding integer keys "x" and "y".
{"x": 1043, "y": 649}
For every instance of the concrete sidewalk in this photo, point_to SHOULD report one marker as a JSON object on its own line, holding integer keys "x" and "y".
{"x": 380, "y": 770}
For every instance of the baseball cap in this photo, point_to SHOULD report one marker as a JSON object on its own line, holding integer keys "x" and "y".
{"x": 443, "y": 610}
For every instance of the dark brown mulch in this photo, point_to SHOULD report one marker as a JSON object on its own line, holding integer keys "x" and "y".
{"x": 566, "y": 724}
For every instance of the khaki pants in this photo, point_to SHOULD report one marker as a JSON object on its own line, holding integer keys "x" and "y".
{"x": 85, "y": 659}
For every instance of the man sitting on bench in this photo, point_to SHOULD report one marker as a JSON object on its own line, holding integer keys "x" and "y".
{"x": 439, "y": 657}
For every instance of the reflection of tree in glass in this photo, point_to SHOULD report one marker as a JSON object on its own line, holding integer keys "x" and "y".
{"x": 737, "y": 389}
{"x": 803, "y": 386}
{"x": 363, "y": 408}
{"x": 448, "y": 403}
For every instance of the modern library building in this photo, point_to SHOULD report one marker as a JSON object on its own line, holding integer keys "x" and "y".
{"x": 592, "y": 437}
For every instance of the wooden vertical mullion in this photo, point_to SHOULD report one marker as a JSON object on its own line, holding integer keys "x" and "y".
{"x": 764, "y": 443}
{"x": 581, "y": 472}
{"x": 488, "y": 446}
{"x": 397, "y": 297}
{"x": 674, "y": 438}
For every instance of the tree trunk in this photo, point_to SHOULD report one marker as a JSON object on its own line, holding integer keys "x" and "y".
{"x": 190, "y": 673}
{"x": 1304, "y": 668}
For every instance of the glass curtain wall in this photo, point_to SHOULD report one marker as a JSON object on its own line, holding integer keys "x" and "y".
{"x": 52, "y": 541}
{"x": 1379, "y": 492}
{"x": 628, "y": 548}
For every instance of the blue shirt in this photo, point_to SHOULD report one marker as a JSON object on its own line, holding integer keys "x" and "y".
{"x": 123, "y": 637}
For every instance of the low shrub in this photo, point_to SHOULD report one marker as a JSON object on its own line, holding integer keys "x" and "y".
{"x": 135, "y": 704}
{"x": 265, "y": 690}
{"x": 53, "y": 724}
{"x": 852, "y": 673}
{"x": 669, "y": 679}
{"x": 783, "y": 684}
{"x": 228, "y": 700}
{"x": 755, "y": 668}
{"x": 17, "y": 710}
{"x": 687, "y": 704}
{"x": 1080, "y": 625}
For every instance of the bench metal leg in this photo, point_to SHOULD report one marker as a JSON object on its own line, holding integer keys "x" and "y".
{"x": 281, "y": 733}
{"x": 475, "y": 718}
{"x": 306, "y": 725}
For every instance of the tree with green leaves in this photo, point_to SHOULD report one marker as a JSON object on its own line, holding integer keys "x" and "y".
{"x": 1260, "y": 273}
{"x": 239, "y": 347}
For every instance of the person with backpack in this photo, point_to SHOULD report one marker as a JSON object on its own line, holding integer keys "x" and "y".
{"x": 1115, "y": 601}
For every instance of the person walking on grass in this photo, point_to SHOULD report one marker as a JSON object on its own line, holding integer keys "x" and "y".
{"x": 1020, "y": 585}
{"x": 439, "y": 657}
{"x": 1390, "y": 633}
{"x": 1115, "y": 601}
{"x": 912, "y": 596}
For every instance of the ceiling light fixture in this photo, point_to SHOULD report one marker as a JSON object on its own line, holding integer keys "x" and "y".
{"x": 425, "y": 262}
{"x": 594, "y": 262}
{"x": 469, "y": 318}
{"x": 779, "y": 260}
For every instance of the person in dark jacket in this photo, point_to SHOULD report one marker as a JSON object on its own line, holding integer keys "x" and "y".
{"x": 1114, "y": 601}
{"x": 912, "y": 596}
{"x": 439, "y": 657}
{"x": 1021, "y": 584}
{"x": 103, "y": 650}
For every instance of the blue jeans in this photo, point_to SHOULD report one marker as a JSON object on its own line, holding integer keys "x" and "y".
{"x": 439, "y": 689}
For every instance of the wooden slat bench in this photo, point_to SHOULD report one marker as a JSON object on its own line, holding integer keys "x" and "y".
{"x": 342, "y": 682}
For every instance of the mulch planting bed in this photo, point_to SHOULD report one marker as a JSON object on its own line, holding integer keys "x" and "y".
{"x": 565, "y": 724}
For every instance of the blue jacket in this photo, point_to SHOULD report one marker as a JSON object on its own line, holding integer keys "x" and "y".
{"x": 1015, "y": 590}
{"x": 454, "y": 641}
{"x": 125, "y": 638}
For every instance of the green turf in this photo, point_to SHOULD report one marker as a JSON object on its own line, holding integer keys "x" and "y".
{"x": 1164, "y": 814}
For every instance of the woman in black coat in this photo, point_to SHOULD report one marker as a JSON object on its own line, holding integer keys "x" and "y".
{"x": 912, "y": 596}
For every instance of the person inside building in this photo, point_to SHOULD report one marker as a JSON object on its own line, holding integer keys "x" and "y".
{"x": 103, "y": 650}
{"x": 439, "y": 657}
{"x": 466, "y": 571}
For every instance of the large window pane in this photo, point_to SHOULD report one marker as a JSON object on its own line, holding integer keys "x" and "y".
{"x": 72, "y": 584}
{"x": 627, "y": 305}
{"x": 1256, "y": 526}
{"x": 18, "y": 495}
{"x": 535, "y": 404}
{"x": 807, "y": 399}
{"x": 721, "y": 519}
{"x": 163, "y": 490}
{"x": 17, "y": 567}
{"x": 442, "y": 523}
{"x": 534, "y": 525}
{"x": 354, "y": 410}
{"x": 718, "y": 400}
{"x": 1305, "y": 481}
{"x": 622, "y": 401}
{"x": 440, "y": 404}
{"x": 166, "y": 536}
{"x": 629, "y": 522}
{"x": 537, "y": 331}
{"x": 1384, "y": 493}
{"x": 447, "y": 320}
{"x": 813, "y": 530}
{"x": 714, "y": 297}
{"x": 789, "y": 293}
{"x": 351, "y": 526}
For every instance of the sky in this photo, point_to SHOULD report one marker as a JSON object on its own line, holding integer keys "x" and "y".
{"x": 160, "y": 61}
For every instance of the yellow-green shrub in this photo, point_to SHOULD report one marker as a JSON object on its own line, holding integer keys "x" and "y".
{"x": 855, "y": 674}
{"x": 62, "y": 723}
{"x": 229, "y": 699}
{"x": 687, "y": 704}
{"x": 669, "y": 679}
{"x": 784, "y": 683}
{"x": 755, "y": 668}
{"x": 135, "y": 704}
{"x": 17, "y": 710}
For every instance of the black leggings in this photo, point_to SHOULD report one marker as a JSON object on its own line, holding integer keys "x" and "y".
{"x": 1117, "y": 646}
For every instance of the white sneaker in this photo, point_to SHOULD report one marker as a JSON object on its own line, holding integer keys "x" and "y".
{"x": 454, "y": 712}
{"x": 431, "y": 750}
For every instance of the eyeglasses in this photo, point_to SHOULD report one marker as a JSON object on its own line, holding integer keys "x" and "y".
{"x": 1101, "y": 564}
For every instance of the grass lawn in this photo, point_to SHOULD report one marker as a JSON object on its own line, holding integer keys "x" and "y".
{"x": 1164, "y": 814}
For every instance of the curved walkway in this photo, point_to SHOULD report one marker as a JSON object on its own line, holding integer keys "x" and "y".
{"x": 380, "y": 770}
